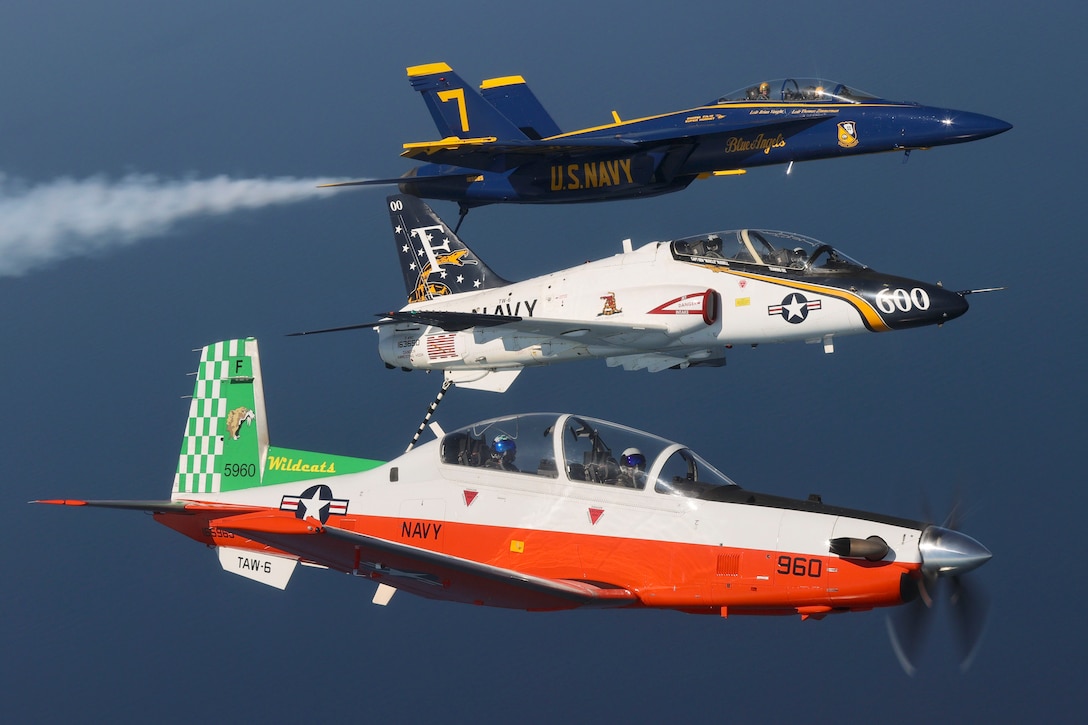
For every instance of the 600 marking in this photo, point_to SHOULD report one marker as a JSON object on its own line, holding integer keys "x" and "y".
{"x": 890, "y": 300}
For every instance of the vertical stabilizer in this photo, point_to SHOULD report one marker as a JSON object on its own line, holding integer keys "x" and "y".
{"x": 226, "y": 437}
{"x": 457, "y": 109}
{"x": 434, "y": 261}
{"x": 513, "y": 98}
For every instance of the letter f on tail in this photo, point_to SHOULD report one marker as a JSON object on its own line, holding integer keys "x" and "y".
{"x": 434, "y": 261}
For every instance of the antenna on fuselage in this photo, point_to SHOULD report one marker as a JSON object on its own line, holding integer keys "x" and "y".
{"x": 461, "y": 214}
{"x": 446, "y": 383}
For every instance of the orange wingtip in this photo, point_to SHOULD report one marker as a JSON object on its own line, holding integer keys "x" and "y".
{"x": 62, "y": 502}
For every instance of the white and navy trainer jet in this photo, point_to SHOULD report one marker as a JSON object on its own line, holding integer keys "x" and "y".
{"x": 669, "y": 304}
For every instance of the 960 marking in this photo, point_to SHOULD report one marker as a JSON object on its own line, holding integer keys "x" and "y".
{"x": 800, "y": 566}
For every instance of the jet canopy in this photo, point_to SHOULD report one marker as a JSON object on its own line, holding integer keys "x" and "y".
{"x": 588, "y": 452}
{"x": 763, "y": 247}
{"x": 797, "y": 90}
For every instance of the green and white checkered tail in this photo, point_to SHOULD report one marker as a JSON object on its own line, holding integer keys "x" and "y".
{"x": 226, "y": 436}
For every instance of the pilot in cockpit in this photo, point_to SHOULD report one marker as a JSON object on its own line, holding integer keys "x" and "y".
{"x": 632, "y": 469}
{"x": 714, "y": 247}
{"x": 762, "y": 92}
{"x": 503, "y": 451}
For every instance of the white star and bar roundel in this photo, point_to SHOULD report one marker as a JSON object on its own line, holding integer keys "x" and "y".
{"x": 315, "y": 502}
{"x": 794, "y": 308}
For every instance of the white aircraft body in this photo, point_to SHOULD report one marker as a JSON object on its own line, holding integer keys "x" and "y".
{"x": 670, "y": 304}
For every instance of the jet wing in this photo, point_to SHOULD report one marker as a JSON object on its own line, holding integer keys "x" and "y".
{"x": 587, "y": 332}
{"x": 421, "y": 571}
{"x": 493, "y": 155}
{"x": 490, "y": 154}
{"x": 448, "y": 321}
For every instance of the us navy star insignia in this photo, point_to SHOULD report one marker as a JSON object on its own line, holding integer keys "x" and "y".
{"x": 316, "y": 502}
{"x": 795, "y": 308}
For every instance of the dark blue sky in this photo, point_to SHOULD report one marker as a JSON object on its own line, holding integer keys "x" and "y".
{"x": 106, "y": 614}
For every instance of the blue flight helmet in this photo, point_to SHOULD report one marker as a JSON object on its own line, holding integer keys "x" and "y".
{"x": 633, "y": 458}
{"x": 505, "y": 447}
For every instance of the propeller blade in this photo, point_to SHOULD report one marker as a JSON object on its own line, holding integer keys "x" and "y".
{"x": 906, "y": 630}
{"x": 947, "y": 554}
{"x": 969, "y": 611}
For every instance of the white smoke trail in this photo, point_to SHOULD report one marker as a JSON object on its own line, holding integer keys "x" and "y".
{"x": 69, "y": 217}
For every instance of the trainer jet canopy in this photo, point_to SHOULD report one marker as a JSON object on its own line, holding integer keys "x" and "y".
{"x": 500, "y": 145}
{"x": 668, "y": 304}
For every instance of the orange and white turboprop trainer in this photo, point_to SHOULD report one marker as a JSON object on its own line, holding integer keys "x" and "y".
{"x": 541, "y": 511}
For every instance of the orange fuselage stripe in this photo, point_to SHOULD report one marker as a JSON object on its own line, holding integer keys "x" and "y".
{"x": 662, "y": 574}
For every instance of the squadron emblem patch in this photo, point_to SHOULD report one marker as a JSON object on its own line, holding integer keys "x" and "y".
{"x": 848, "y": 134}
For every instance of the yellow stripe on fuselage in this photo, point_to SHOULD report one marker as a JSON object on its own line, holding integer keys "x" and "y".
{"x": 868, "y": 313}
{"x": 724, "y": 106}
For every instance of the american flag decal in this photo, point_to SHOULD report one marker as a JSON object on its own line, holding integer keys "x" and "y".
{"x": 440, "y": 347}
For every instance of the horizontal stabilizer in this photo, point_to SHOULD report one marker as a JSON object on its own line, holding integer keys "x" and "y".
{"x": 165, "y": 506}
{"x": 409, "y": 177}
{"x": 176, "y": 507}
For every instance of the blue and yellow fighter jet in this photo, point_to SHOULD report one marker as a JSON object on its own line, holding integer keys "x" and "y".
{"x": 501, "y": 146}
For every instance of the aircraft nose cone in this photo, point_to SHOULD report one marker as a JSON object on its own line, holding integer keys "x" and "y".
{"x": 916, "y": 304}
{"x": 949, "y": 306}
{"x": 946, "y": 552}
{"x": 964, "y": 126}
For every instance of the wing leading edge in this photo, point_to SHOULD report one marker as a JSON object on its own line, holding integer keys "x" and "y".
{"x": 492, "y": 154}
{"x": 587, "y": 332}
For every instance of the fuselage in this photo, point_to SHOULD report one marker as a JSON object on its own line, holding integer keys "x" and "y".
{"x": 679, "y": 306}
{"x": 679, "y": 536}
{"x": 669, "y": 151}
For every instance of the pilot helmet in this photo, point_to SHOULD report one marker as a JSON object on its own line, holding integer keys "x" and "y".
{"x": 764, "y": 88}
{"x": 633, "y": 458}
{"x": 505, "y": 446}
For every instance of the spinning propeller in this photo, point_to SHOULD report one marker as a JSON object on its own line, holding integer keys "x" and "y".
{"x": 947, "y": 555}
